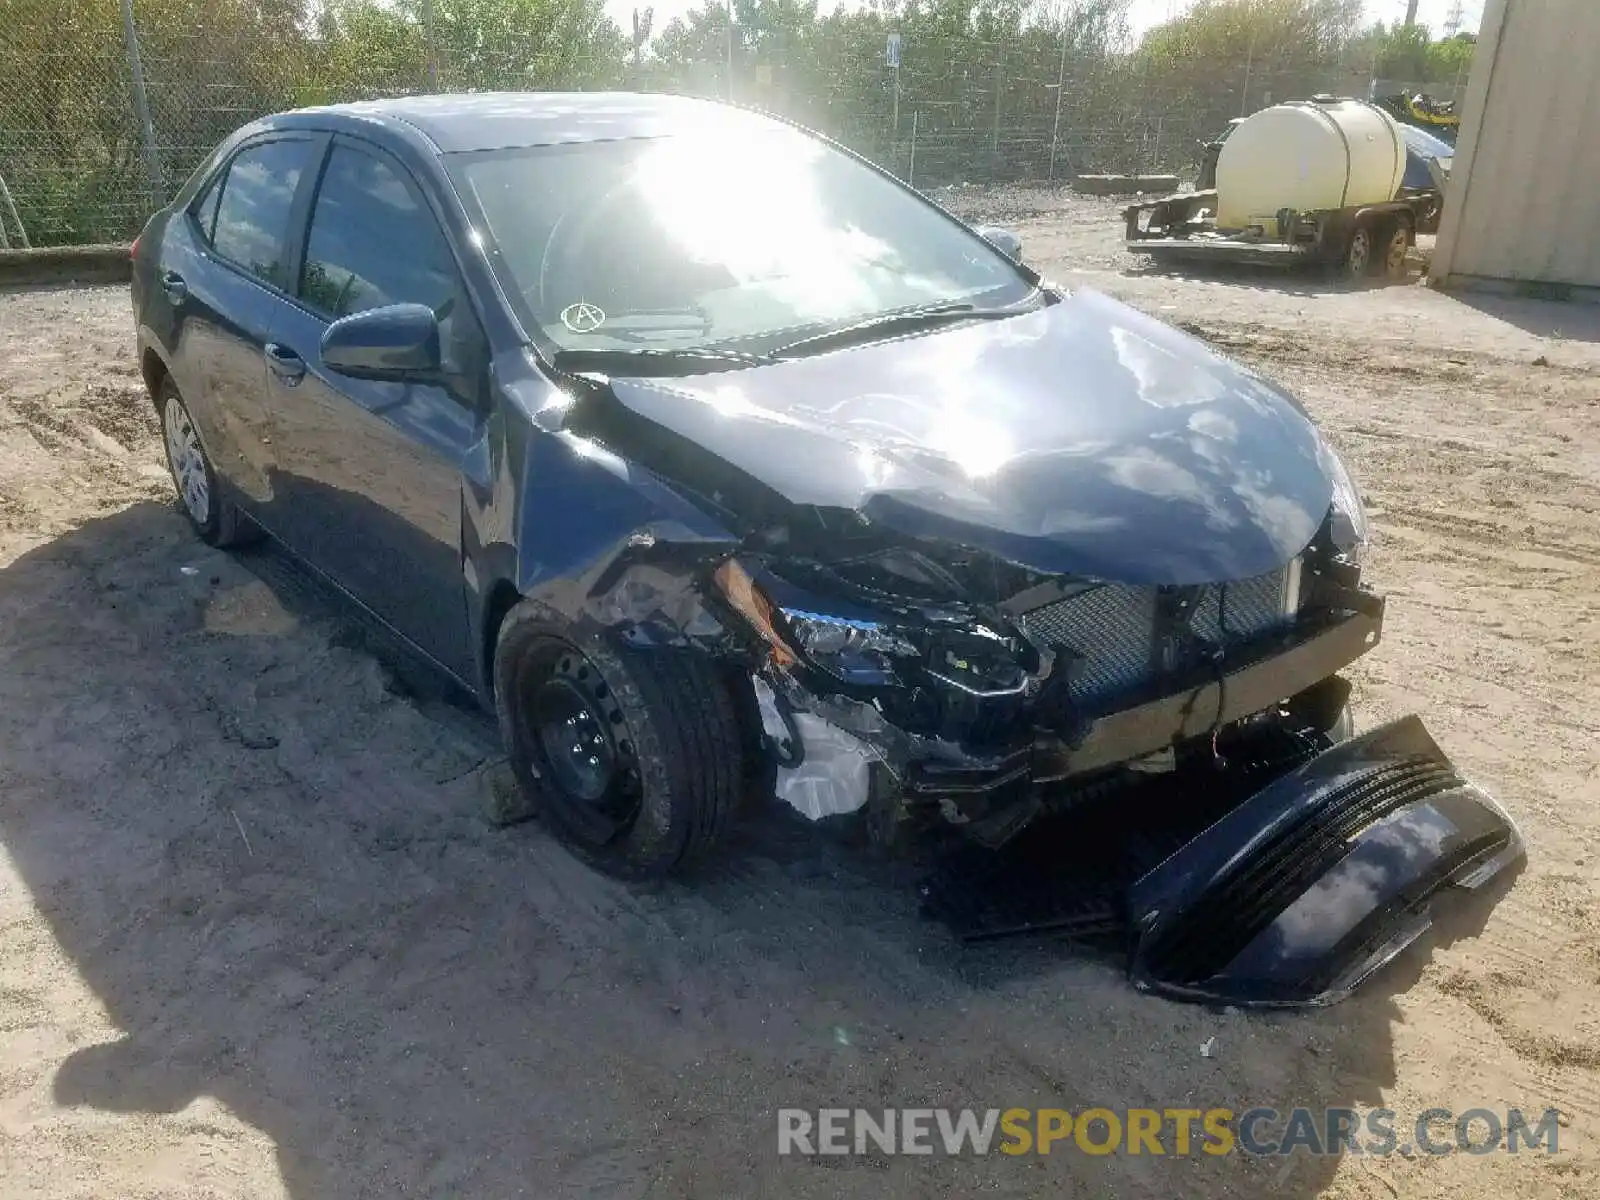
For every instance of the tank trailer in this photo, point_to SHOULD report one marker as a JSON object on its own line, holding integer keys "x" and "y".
{"x": 1317, "y": 180}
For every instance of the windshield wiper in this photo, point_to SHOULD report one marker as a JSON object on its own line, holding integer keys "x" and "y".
{"x": 654, "y": 360}
{"x": 887, "y": 325}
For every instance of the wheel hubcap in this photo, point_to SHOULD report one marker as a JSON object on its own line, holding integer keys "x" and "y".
{"x": 187, "y": 461}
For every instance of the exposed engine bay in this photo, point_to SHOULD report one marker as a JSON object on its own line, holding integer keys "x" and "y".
{"x": 949, "y": 691}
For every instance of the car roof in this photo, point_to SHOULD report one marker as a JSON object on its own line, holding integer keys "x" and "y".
{"x": 500, "y": 120}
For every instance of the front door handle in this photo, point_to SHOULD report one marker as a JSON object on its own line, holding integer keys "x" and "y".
{"x": 173, "y": 285}
{"x": 285, "y": 363}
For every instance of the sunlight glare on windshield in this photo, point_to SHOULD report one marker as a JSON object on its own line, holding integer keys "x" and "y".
{"x": 750, "y": 203}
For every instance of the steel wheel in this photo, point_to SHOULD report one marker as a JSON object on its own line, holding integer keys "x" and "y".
{"x": 581, "y": 744}
{"x": 1394, "y": 253}
{"x": 635, "y": 759}
{"x": 187, "y": 461}
{"x": 1358, "y": 257}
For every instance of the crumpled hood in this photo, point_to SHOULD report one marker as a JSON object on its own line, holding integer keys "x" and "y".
{"x": 1083, "y": 438}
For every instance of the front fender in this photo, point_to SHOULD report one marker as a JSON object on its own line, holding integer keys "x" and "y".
{"x": 607, "y": 544}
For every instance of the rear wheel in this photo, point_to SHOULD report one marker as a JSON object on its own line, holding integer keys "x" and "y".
{"x": 205, "y": 502}
{"x": 633, "y": 758}
{"x": 1394, "y": 244}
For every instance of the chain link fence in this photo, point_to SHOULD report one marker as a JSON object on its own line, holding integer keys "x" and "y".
{"x": 80, "y": 164}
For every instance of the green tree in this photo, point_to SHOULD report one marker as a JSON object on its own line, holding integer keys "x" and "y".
{"x": 69, "y": 138}
{"x": 376, "y": 47}
{"x": 1405, "y": 54}
{"x": 1274, "y": 31}
{"x": 979, "y": 77}
{"x": 1450, "y": 60}
{"x": 1228, "y": 58}
{"x": 1400, "y": 51}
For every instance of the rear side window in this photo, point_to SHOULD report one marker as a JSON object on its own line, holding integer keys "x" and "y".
{"x": 204, "y": 209}
{"x": 373, "y": 242}
{"x": 252, "y": 214}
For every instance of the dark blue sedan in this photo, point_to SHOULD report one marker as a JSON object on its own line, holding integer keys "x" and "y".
{"x": 712, "y": 456}
{"x": 723, "y": 466}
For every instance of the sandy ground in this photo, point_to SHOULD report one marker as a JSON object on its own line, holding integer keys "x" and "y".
{"x": 255, "y": 940}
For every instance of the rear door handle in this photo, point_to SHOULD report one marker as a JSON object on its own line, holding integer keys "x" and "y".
{"x": 285, "y": 363}
{"x": 173, "y": 285}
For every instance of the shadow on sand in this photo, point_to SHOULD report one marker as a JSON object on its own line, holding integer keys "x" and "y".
{"x": 1301, "y": 279}
{"x": 1568, "y": 320}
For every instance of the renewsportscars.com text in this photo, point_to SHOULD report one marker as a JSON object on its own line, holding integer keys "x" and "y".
{"x": 1174, "y": 1131}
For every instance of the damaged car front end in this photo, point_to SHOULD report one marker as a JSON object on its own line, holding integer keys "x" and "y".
{"x": 1158, "y": 549}
{"x": 948, "y": 678}
{"x": 973, "y": 706}
{"x": 967, "y": 568}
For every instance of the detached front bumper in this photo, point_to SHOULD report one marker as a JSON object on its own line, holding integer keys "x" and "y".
{"x": 1262, "y": 881}
{"x": 1258, "y": 876}
{"x": 1316, "y": 881}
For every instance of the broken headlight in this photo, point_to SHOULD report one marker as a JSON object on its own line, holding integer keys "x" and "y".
{"x": 856, "y": 651}
{"x": 949, "y": 645}
{"x": 977, "y": 660}
{"x": 1348, "y": 515}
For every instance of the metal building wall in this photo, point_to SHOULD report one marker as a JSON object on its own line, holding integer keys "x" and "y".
{"x": 1524, "y": 199}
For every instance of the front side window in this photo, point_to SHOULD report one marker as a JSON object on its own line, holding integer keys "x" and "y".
{"x": 252, "y": 214}
{"x": 721, "y": 235}
{"x": 372, "y": 242}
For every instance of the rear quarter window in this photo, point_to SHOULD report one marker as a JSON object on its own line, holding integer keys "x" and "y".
{"x": 204, "y": 208}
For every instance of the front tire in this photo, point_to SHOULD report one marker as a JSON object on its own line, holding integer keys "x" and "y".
{"x": 633, "y": 758}
{"x": 204, "y": 501}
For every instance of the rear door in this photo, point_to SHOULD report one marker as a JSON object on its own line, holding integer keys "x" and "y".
{"x": 225, "y": 275}
{"x": 370, "y": 472}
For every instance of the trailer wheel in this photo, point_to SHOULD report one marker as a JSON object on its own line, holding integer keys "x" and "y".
{"x": 1395, "y": 240}
{"x": 1358, "y": 254}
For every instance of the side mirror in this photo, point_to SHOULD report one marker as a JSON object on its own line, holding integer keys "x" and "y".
{"x": 398, "y": 341}
{"x": 1003, "y": 240}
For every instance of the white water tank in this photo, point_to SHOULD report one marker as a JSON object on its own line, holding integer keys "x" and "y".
{"x": 1308, "y": 155}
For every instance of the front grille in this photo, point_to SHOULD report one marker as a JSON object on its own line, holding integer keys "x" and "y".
{"x": 1243, "y": 610}
{"x": 1110, "y": 630}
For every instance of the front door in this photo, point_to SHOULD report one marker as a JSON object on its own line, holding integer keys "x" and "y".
{"x": 369, "y": 473}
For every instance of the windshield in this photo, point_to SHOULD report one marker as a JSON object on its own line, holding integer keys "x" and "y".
{"x": 750, "y": 238}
